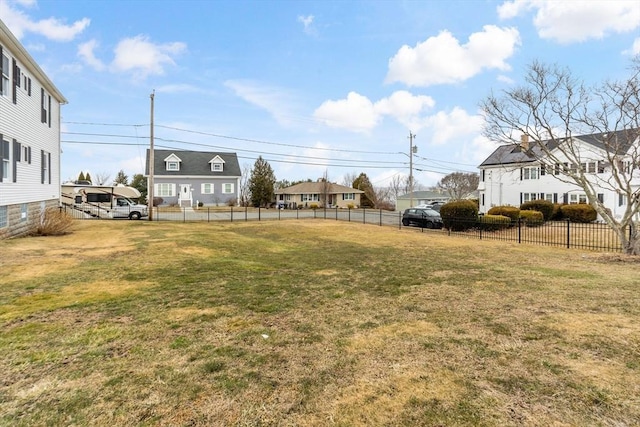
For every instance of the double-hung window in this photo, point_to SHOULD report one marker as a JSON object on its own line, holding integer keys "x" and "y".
{"x": 165, "y": 190}
{"x": 206, "y": 188}
{"x": 348, "y": 196}
{"x": 5, "y": 156}
{"x": 4, "y": 88}
{"x": 227, "y": 188}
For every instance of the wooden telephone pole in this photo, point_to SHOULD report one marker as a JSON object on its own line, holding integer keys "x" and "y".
{"x": 151, "y": 163}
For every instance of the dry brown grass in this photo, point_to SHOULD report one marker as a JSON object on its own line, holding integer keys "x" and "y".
{"x": 312, "y": 323}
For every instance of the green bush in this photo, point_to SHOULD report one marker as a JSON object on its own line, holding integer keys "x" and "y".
{"x": 508, "y": 211}
{"x": 532, "y": 218}
{"x": 459, "y": 215}
{"x": 493, "y": 222}
{"x": 557, "y": 212}
{"x": 579, "y": 213}
{"x": 543, "y": 206}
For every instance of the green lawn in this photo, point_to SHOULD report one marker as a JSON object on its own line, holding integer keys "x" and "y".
{"x": 312, "y": 323}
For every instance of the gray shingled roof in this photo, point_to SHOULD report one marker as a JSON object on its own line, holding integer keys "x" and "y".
{"x": 194, "y": 163}
{"x": 513, "y": 153}
{"x": 317, "y": 188}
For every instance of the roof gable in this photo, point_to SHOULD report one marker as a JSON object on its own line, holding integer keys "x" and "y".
{"x": 195, "y": 163}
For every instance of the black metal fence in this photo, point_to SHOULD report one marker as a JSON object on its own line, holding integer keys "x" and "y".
{"x": 591, "y": 236}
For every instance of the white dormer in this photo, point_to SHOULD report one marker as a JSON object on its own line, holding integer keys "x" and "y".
{"x": 217, "y": 164}
{"x": 172, "y": 163}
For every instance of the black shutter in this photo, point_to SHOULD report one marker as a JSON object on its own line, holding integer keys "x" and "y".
{"x": 43, "y": 112}
{"x": 29, "y": 86}
{"x": 49, "y": 167}
{"x": 601, "y": 197}
{"x": 555, "y": 197}
{"x": 29, "y": 155}
{"x": 14, "y": 96}
{"x": 521, "y": 179}
{"x": 520, "y": 198}
{"x": 543, "y": 169}
{"x": 565, "y": 198}
{"x": 49, "y": 112}
{"x": 16, "y": 158}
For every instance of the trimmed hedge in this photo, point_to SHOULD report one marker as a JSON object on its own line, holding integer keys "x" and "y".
{"x": 493, "y": 222}
{"x": 579, "y": 213}
{"x": 557, "y": 212}
{"x": 508, "y": 211}
{"x": 543, "y": 206}
{"x": 459, "y": 215}
{"x": 532, "y": 218}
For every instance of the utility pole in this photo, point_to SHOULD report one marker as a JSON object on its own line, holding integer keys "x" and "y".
{"x": 151, "y": 162}
{"x": 412, "y": 149}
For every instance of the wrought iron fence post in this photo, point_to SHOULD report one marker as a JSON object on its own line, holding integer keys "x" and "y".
{"x": 380, "y": 217}
{"x": 519, "y": 230}
{"x": 364, "y": 215}
{"x": 208, "y": 216}
{"x": 231, "y": 213}
{"x": 325, "y": 211}
{"x": 336, "y": 213}
{"x": 568, "y": 234}
{"x": 399, "y": 220}
{"x": 184, "y": 214}
{"x": 259, "y": 213}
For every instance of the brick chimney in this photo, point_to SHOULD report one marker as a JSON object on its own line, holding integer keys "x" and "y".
{"x": 524, "y": 142}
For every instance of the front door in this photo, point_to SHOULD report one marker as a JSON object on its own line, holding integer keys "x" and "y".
{"x": 185, "y": 195}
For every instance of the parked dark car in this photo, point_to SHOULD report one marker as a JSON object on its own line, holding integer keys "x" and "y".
{"x": 426, "y": 218}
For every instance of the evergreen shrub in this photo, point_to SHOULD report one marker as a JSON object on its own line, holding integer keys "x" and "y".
{"x": 543, "y": 206}
{"x": 579, "y": 213}
{"x": 508, "y": 211}
{"x": 532, "y": 218}
{"x": 557, "y": 212}
{"x": 459, "y": 215}
{"x": 494, "y": 222}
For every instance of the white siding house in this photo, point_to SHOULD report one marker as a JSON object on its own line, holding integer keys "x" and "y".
{"x": 30, "y": 139}
{"x": 514, "y": 174}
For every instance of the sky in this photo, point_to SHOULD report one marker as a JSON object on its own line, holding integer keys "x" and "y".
{"x": 316, "y": 88}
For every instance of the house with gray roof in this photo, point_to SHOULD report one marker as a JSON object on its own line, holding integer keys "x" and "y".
{"x": 320, "y": 194}
{"x": 518, "y": 173}
{"x": 187, "y": 178}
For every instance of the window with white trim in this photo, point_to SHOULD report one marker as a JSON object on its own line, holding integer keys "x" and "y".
{"x": 529, "y": 197}
{"x": 310, "y": 197}
{"x": 216, "y": 167}
{"x": 5, "y": 75}
{"x": 6, "y": 160}
{"x": 348, "y": 196}
{"x": 173, "y": 166}
{"x": 530, "y": 173}
{"x": 165, "y": 190}
{"x": 576, "y": 198}
{"x": 227, "y": 188}
{"x": 206, "y": 188}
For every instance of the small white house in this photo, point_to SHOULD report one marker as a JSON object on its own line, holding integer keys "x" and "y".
{"x": 514, "y": 174}
{"x": 29, "y": 139}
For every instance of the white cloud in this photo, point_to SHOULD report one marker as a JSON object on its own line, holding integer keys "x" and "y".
{"x": 446, "y": 127}
{"x": 143, "y": 58}
{"x": 357, "y": 113}
{"x": 178, "y": 88}
{"x": 505, "y": 79}
{"x": 85, "y": 52}
{"x": 52, "y": 28}
{"x": 576, "y": 21}
{"x": 442, "y": 59}
{"x": 307, "y": 22}
{"x": 635, "y": 48}
{"x": 276, "y": 101}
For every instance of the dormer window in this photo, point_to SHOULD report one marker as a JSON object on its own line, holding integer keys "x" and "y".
{"x": 217, "y": 164}
{"x": 173, "y": 166}
{"x": 172, "y": 163}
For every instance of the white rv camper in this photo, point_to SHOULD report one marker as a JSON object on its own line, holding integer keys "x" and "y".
{"x": 103, "y": 201}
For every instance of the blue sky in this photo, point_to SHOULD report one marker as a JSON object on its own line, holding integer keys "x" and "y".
{"x": 312, "y": 86}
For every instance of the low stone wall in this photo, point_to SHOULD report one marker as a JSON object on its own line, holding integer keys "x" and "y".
{"x": 21, "y": 225}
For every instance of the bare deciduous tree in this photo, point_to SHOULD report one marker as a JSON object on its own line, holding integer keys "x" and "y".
{"x": 102, "y": 178}
{"x": 244, "y": 192}
{"x": 459, "y": 184}
{"x": 552, "y": 106}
